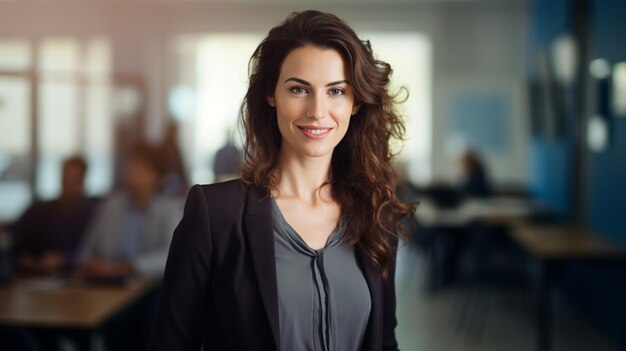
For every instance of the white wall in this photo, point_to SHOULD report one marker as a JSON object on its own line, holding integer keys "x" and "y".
{"x": 477, "y": 45}
{"x": 482, "y": 48}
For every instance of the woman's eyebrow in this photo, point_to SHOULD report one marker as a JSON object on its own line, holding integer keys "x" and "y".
{"x": 304, "y": 82}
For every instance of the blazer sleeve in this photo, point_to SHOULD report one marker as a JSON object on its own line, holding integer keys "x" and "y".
{"x": 389, "y": 308}
{"x": 182, "y": 307}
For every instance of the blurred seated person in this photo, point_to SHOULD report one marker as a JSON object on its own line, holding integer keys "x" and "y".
{"x": 132, "y": 231}
{"x": 475, "y": 181}
{"x": 49, "y": 233}
{"x": 175, "y": 180}
{"x": 228, "y": 160}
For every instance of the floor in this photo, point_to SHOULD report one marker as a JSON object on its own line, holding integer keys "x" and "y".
{"x": 428, "y": 321}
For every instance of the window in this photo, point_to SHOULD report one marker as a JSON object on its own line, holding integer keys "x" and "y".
{"x": 74, "y": 100}
{"x": 212, "y": 77}
{"x": 56, "y": 90}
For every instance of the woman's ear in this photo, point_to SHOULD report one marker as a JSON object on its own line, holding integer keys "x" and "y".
{"x": 271, "y": 101}
{"x": 355, "y": 108}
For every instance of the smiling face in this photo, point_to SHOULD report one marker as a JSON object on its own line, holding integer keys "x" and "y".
{"x": 314, "y": 102}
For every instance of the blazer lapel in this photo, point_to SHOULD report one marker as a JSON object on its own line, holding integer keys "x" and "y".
{"x": 259, "y": 231}
{"x": 373, "y": 335}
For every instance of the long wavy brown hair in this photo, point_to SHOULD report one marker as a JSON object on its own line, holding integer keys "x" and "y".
{"x": 362, "y": 179}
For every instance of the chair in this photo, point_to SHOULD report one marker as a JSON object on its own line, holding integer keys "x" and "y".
{"x": 497, "y": 265}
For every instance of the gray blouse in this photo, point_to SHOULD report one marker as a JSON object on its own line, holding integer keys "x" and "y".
{"x": 323, "y": 299}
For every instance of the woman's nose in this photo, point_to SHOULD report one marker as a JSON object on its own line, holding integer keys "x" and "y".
{"x": 316, "y": 107}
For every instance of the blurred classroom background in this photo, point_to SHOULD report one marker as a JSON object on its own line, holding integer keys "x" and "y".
{"x": 515, "y": 149}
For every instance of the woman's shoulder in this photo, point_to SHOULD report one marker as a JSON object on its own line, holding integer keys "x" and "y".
{"x": 228, "y": 191}
{"x": 225, "y": 198}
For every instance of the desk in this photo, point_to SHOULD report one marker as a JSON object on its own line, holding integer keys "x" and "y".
{"x": 73, "y": 306}
{"x": 498, "y": 210}
{"x": 449, "y": 223}
{"x": 553, "y": 247}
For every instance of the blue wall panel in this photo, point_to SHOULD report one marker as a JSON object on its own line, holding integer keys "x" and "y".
{"x": 550, "y": 172}
{"x": 607, "y": 190}
{"x": 550, "y": 166}
{"x": 549, "y": 20}
{"x": 607, "y": 170}
{"x": 597, "y": 291}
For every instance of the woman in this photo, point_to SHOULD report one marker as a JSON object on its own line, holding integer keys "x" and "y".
{"x": 298, "y": 254}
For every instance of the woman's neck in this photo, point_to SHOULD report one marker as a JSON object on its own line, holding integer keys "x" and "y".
{"x": 305, "y": 179}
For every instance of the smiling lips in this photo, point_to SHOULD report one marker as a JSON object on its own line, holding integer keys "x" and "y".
{"x": 315, "y": 132}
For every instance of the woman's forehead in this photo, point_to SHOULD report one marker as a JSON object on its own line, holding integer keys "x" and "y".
{"x": 314, "y": 64}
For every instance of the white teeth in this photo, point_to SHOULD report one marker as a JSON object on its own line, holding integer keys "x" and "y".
{"x": 315, "y": 131}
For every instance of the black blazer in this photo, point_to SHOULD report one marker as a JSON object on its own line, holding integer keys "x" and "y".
{"x": 220, "y": 286}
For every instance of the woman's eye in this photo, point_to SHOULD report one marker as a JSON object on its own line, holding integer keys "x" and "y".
{"x": 298, "y": 90}
{"x": 336, "y": 92}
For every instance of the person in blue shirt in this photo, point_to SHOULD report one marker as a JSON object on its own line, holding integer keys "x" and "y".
{"x": 132, "y": 230}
